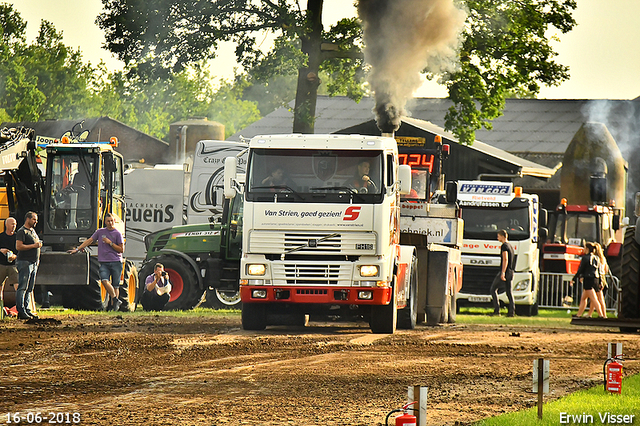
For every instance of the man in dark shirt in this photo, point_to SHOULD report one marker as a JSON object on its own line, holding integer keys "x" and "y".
{"x": 8, "y": 271}
{"x": 28, "y": 245}
{"x": 505, "y": 276}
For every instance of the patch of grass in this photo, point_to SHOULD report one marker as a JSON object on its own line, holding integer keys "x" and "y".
{"x": 545, "y": 318}
{"x": 595, "y": 402}
{"x": 198, "y": 312}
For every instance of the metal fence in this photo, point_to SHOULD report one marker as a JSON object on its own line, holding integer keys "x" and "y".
{"x": 556, "y": 291}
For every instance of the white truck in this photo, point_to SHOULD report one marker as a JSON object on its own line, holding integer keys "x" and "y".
{"x": 488, "y": 207}
{"x": 313, "y": 243}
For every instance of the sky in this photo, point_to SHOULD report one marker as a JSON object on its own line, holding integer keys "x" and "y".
{"x": 602, "y": 51}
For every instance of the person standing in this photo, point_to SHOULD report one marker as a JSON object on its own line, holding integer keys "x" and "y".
{"x": 8, "y": 270}
{"x": 156, "y": 290}
{"x": 28, "y": 245}
{"x": 110, "y": 249}
{"x": 505, "y": 276}
{"x": 603, "y": 271}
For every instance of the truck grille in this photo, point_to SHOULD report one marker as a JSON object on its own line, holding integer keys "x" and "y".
{"x": 478, "y": 279}
{"x": 345, "y": 243}
{"x": 301, "y": 273}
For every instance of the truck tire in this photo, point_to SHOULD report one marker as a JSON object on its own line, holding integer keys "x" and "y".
{"x": 384, "y": 318}
{"x": 408, "y": 316}
{"x": 185, "y": 292}
{"x": 92, "y": 297}
{"x": 129, "y": 287}
{"x": 630, "y": 279}
{"x": 221, "y": 299}
{"x": 254, "y": 316}
{"x": 527, "y": 310}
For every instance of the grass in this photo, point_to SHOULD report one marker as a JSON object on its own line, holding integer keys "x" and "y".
{"x": 197, "y": 312}
{"x": 595, "y": 402}
{"x": 545, "y": 317}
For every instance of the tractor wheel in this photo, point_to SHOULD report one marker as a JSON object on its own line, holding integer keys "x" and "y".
{"x": 222, "y": 299}
{"x": 92, "y": 297}
{"x": 185, "y": 292}
{"x": 254, "y": 316}
{"x": 408, "y": 316}
{"x": 129, "y": 287}
{"x": 384, "y": 318}
{"x": 630, "y": 279}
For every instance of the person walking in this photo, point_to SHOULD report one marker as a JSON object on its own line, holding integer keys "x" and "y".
{"x": 8, "y": 270}
{"x": 505, "y": 276}
{"x": 588, "y": 271}
{"x": 28, "y": 245}
{"x": 110, "y": 249}
{"x": 156, "y": 290}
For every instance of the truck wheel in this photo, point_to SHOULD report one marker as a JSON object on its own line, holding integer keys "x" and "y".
{"x": 384, "y": 318}
{"x": 408, "y": 316}
{"x": 222, "y": 299}
{"x": 254, "y": 316}
{"x": 185, "y": 292}
{"x": 527, "y": 310}
{"x": 92, "y": 297}
{"x": 129, "y": 287}
{"x": 630, "y": 279}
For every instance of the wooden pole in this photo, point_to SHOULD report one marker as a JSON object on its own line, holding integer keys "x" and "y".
{"x": 540, "y": 386}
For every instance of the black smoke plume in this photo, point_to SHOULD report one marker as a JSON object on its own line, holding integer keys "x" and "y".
{"x": 403, "y": 38}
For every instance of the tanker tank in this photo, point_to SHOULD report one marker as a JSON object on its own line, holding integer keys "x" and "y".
{"x": 592, "y": 151}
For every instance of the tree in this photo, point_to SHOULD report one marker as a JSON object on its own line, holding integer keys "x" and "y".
{"x": 171, "y": 34}
{"x": 503, "y": 48}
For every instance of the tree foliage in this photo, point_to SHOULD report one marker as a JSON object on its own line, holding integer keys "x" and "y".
{"x": 504, "y": 48}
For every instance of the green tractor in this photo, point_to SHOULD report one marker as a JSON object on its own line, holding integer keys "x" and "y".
{"x": 202, "y": 260}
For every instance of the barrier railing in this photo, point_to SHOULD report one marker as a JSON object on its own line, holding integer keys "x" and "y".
{"x": 556, "y": 291}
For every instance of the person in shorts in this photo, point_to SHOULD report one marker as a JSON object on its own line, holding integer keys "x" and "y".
{"x": 8, "y": 270}
{"x": 110, "y": 249}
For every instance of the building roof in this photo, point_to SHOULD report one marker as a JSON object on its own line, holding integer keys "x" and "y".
{"x": 528, "y": 125}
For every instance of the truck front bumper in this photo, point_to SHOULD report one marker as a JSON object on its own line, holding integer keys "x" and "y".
{"x": 327, "y": 295}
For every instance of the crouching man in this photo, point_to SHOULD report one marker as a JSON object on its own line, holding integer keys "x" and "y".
{"x": 156, "y": 290}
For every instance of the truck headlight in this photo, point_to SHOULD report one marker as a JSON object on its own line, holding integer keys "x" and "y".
{"x": 256, "y": 269}
{"x": 368, "y": 270}
{"x": 522, "y": 285}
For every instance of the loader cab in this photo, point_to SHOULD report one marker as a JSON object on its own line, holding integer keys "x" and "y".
{"x": 85, "y": 181}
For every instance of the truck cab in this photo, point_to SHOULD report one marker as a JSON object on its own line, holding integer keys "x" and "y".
{"x": 488, "y": 207}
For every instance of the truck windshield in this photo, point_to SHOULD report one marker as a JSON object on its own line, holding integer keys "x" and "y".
{"x": 574, "y": 227}
{"x": 314, "y": 176}
{"x": 72, "y": 188}
{"x": 483, "y": 223}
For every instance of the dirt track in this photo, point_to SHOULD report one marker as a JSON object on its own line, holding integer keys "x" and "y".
{"x": 138, "y": 370}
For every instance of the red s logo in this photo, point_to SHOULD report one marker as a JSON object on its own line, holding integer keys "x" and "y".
{"x": 352, "y": 213}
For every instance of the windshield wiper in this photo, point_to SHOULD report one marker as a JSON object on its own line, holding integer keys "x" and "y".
{"x": 284, "y": 187}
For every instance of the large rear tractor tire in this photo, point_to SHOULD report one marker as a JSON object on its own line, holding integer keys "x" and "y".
{"x": 222, "y": 299}
{"x": 92, "y": 297}
{"x": 129, "y": 287}
{"x": 408, "y": 316}
{"x": 185, "y": 292}
{"x": 628, "y": 306}
{"x": 254, "y": 316}
{"x": 384, "y": 318}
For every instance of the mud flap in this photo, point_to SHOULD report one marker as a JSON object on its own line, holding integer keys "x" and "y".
{"x": 59, "y": 268}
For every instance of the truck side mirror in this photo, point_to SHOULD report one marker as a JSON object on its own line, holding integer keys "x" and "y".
{"x": 543, "y": 234}
{"x": 230, "y": 174}
{"x": 451, "y": 192}
{"x": 615, "y": 222}
{"x": 404, "y": 176}
{"x": 543, "y": 218}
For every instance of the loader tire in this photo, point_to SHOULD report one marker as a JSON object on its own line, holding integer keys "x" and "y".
{"x": 628, "y": 306}
{"x": 185, "y": 292}
{"x": 129, "y": 287}
{"x": 408, "y": 316}
{"x": 92, "y": 297}
{"x": 384, "y": 318}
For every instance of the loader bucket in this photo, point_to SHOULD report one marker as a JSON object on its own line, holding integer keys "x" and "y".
{"x": 60, "y": 268}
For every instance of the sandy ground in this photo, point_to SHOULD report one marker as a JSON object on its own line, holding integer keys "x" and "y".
{"x": 157, "y": 370}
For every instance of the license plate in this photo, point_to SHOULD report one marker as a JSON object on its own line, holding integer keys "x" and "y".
{"x": 479, "y": 299}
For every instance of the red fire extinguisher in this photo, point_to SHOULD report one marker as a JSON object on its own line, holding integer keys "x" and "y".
{"x": 404, "y": 420}
{"x": 613, "y": 374}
